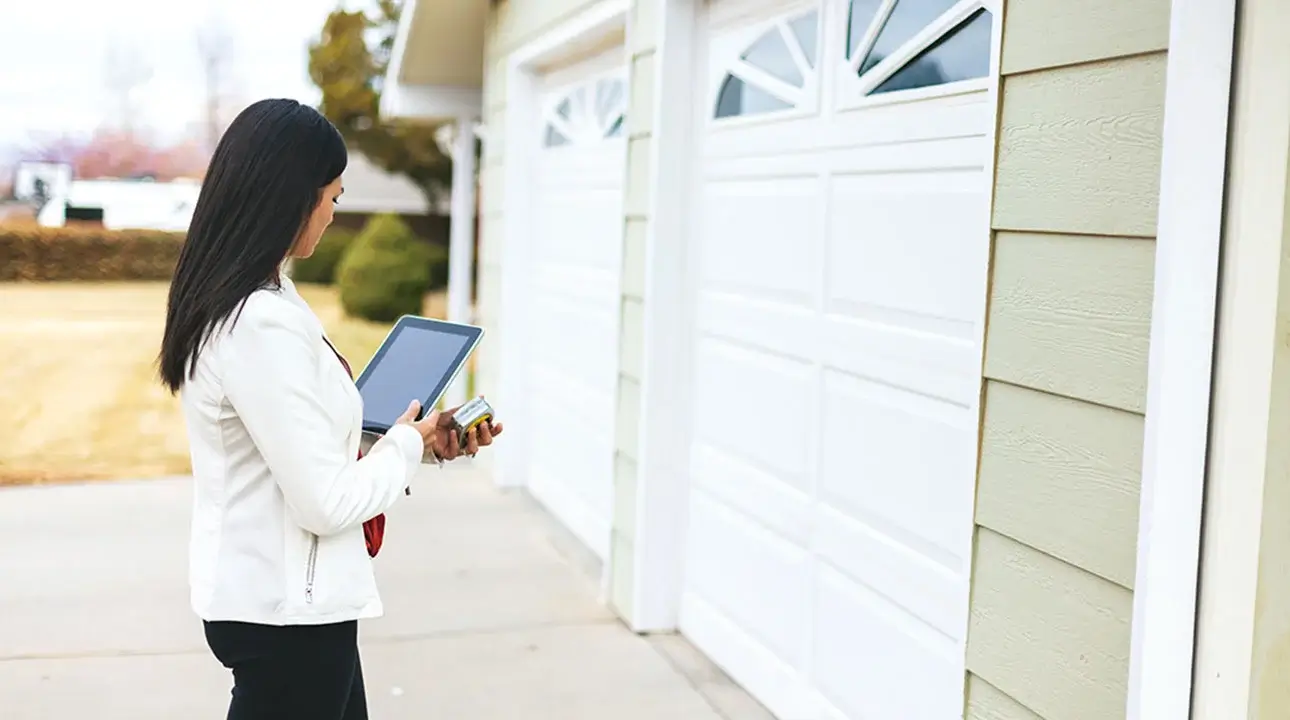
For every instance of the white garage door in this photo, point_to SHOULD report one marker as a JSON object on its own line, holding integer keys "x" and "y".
{"x": 577, "y": 236}
{"x": 841, "y": 252}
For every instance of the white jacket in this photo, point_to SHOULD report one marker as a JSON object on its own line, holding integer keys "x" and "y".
{"x": 274, "y": 427}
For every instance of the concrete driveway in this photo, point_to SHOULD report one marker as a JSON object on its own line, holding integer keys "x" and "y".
{"x": 490, "y": 613}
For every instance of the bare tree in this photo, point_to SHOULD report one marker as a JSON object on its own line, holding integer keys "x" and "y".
{"x": 126, "y": 70}
{"x": 215, "y": 50}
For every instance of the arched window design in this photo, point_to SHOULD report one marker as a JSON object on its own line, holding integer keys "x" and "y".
{"x": 589, "y": 113}
{"x": 775, "y": 72}
{"x": 907, "y": 44}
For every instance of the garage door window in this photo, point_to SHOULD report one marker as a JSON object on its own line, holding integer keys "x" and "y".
{"x": 908, "y": 44}
{"x": 588, "y": 114}
{"x": 963, "y": 54}
{"x": 776, "y": 71}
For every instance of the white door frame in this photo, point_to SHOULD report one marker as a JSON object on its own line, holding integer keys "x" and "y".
{"x": 521, "y": 135}
{"x": 1179, "y": 370}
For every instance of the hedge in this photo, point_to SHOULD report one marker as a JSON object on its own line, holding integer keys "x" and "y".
{"x": 387, "y": 271}
{"x": 35, "y": 253}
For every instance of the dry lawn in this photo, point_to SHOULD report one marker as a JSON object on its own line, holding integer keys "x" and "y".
{"x": 78, "y": 392}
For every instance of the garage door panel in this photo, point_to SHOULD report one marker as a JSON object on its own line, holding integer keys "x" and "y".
{"x": 930, "y": 119}
{"x": 914, "y": 360}
{"x": 841, "y": 242}
{"x": 590, "y": 525}
{"x": 756, "y": 237}
{"x": 574, "y": 336}
{"x": 585, "y": 402}
{"x": 939, "y": 122}
{"x": 769, "y": 325}
{"x": 590, "y": 287}
{"x": 874, "y": 661}
{"x": 756, "y": 579}
{"x": 571, "y": 295}
{"x": 751, "y": 664}
{"x": 753, "y": 491}
{"x": 922, "y": 587}
{"x": 910, "y": 242}
{"x": 579, "y": 473}
{"x": 842, "y": 161}
{"x": 580, "y": 229}
{"x": 591, "y": 166}
{"x": 751, "y": 403}
{"x": 875, "y": 464}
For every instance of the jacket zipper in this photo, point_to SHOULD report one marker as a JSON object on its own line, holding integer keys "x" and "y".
{"x": 309, "y": 572}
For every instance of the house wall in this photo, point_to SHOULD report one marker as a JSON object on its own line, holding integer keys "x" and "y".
{"x": 1074, "y": 216}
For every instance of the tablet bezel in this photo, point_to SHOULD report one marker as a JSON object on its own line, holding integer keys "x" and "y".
{"x": 473, "y": 332}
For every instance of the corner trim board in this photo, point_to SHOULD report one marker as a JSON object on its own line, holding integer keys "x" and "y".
{"x": 1180, "y": 363}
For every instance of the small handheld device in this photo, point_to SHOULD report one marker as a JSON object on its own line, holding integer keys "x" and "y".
{"x": 474, "y": 413}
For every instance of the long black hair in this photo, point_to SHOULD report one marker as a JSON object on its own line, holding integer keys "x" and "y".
{"x": 261, "y": 187}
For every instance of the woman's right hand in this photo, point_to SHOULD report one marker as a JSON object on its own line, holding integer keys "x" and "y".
{"x": 427, "y": 426}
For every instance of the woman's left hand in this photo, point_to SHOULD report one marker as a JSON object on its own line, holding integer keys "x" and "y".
{"x": 481, "y": 436}
{"x": 448, "y": 444}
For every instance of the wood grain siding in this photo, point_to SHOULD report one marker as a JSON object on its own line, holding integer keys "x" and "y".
{"x": 644, "y": 28}
{"x": 1062, "y": 476}
{"x": 1090, "y": 30}
{"x": 1072, "y": 316}
{"x": 987, "y": 702}
{"x": 1079, "y": 148}
{"x": 638, "y": 191}
{"x": 644, "y": 36}
{"x": 631, "y": 350}
{"x": 1077, "y": 178}
{"x": 627, "y": 429}
{"x": 633, "y": 282}
{"x": 625, "y": 484}
{"x": 623, "y": 562}
{"x": 1051, "y": 636}
{"x": 642, "y": 96}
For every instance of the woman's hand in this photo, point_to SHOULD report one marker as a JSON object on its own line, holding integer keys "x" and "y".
{"x": 430, "y": 427}
{"x": 439, "y": 433}
{"x": 448, "y": 443}
{"x": 481, "y": 436}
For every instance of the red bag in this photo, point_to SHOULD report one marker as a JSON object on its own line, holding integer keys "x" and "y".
{"x": 374, "y": 529}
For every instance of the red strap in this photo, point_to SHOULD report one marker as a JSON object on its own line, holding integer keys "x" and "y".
{"x": 374, "y": 529}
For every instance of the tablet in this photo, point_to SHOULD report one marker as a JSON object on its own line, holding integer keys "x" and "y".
{"x": 419, "y": 359}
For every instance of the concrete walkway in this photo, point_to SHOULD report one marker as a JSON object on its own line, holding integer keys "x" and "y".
{"x": 490, "y": 613}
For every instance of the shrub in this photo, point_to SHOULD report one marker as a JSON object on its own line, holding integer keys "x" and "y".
{"x": 35, "y": 253}
{"x": 387, "y": 271}
{"x": 320, "y": 268}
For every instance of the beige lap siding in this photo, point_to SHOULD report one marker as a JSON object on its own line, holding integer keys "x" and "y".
{"x": 642, "y": 44}
{"x": 1074, "y": 214}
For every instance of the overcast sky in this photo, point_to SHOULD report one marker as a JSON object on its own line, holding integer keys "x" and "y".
{"x": 53, "y": 56}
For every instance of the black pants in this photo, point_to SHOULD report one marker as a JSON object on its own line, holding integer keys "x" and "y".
{"x": 297, "y": 672}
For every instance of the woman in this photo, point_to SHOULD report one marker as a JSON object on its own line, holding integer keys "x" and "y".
{"x": 280, "y": 570}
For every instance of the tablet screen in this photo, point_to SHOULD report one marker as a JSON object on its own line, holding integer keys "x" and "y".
{"x": 417, "y": 360}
